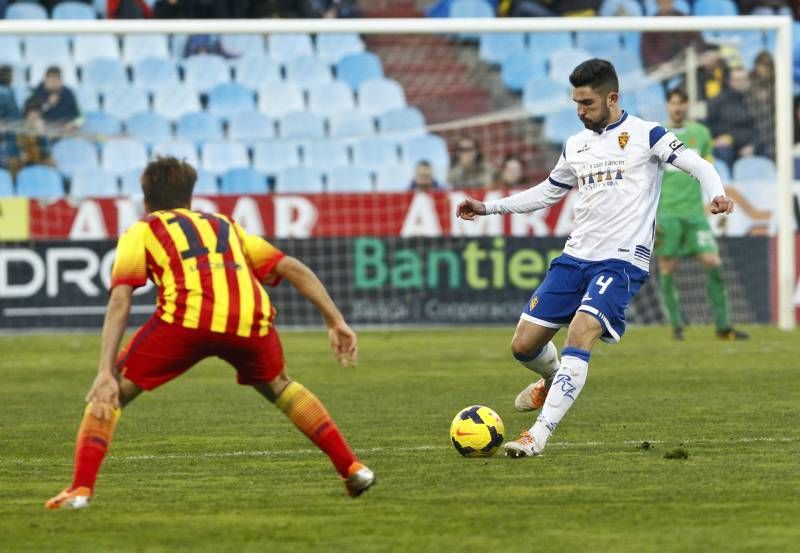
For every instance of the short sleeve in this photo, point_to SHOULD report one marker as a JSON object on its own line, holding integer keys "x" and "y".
{"x": 563, "y": 175}
{"x": 261, "y": 255}
{"x": 664, "y": 144}
{"x": 130, "y": 264}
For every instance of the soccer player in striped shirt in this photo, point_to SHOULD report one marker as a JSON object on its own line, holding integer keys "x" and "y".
{"x": 209, "y": 274}
{"x": 615, "y": 165}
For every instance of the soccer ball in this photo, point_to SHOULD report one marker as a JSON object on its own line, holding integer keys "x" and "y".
{"x": 477, "y": 431}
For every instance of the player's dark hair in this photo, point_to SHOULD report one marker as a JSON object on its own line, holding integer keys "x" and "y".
{"x": 679, "y": 92}
{"x": 597, "y": 74}
{"x": 168, "y": 183}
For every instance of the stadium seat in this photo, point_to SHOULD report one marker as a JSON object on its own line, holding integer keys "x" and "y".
{"x": 649, "y": 103}
{"x": 87, "y": 47}
{"x": 220, "y": 155}
{"x": 198, "y": 127}
{"x": 101, "y": 123}
{"x": 87, "y": 97}
{"x": 349, "y": 179}
{"x": 495, "y": 47}
{"x": 44, "y": 49}
{"x": 394, "y": 178}
{"x": 136, "y": 48}
{"x": 715, "y": 7}
{"x": 301, "y": 124}
{"x": 243, "y": 46}
{"x": 148, "y": 127}
{"x": 562, "y": 62}
{"x": 205, "y": 71}
{"x": 124, "y": 154}
{"x": 97, "y": 183}
{"x": 598, "y": 42}
{"x": 130, "y": 183}
{"x": 754, "y": 168}
{"x": 287, "y": 46}
{"x": 561, "y": 125}
{"x": 331, "y": 47}
{"x": 307, "y": 71}
{"x": 520, "y": 67}
{"x": 25, "y": 10}
{"x": 330, "y": 98}
{"x": 355, "y": 69}
{"x": 628, "y": 65}
{"x": 75, "y": 155}
{"x": 10, "y": 51}
{"x": 104, "y": 74}
{"x": 228, "y": 99}
{"x": 6, "y": 183}
{"x": 152, "y": 74}
{"x": 278, "y": 99}
{"x": 723, "y": 170}
{"x": 124, "y": 101}
{"x": 471, "y": 9}
{"x": 272, "y": 156}
{"x": 375, "y": 152}
{"x": 254, "y": 72}
{"x": 326, "y": 153}
{"x": 682, "y": 6}
{"x": 250, "y": 126}
{"x": 243, "y": 180}
{"x": 174, "y": 101}
{"x": 38, "y": 68}
{"x": 206, "y": 183}
{"x": 632, "y": 40}
{"x": 73, "y": 10}
{"x": 351, "y": 124}
{"x": 544, "y": 44}
{"x": 180, "y": 149}
{"x": 299, "y": 179}
{"x": 39, "y": 181}
{"x": 429, "y": 147}
{"x": 402, "y": 123}
{"x": 379, "y": 96}
{"x": 630, "y": 8}
{"x": 542, "y": 96}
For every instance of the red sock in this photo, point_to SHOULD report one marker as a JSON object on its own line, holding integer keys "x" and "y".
{"x": 94, "y": 436}
{"x": 309, "y": 415}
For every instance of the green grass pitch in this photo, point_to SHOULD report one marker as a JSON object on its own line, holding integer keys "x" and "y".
{"x": 206, "y": 465}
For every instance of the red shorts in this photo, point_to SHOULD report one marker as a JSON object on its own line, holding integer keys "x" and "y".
{"x": 160, "y": 351}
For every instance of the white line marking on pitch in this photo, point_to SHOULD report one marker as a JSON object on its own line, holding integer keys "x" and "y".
{"x": 379, "y": 450}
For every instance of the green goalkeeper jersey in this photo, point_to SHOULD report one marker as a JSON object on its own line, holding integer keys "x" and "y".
{"x": 681, "y": 194}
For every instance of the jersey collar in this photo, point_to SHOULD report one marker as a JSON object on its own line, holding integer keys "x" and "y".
{"x": 618, "y": 122}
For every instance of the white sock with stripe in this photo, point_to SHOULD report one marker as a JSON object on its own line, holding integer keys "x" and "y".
{"x": 543, "y": 362}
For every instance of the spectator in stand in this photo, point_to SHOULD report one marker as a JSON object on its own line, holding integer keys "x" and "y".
{"x": 510, "y": 174}
{"x": 797, "y": 123}
{"x": 205, "y": 44}
{"x": 290, "y": 9}
{"x": 57, "y": 101}
{"x": 424, "y": 179}
{"x": 730, "y": 120}
{"x": 8, "y": 102}
{"x": 761, "y": 99}
{"x": 660, "y": 47}
{"x": 470, "y": 171}
{"x": 712, "y": 74}
{"x": 128, "y": 9}
{"x": 330, "y": 9}
{"x": 764, "y": 7}
{"x": 31, "y": 145}
{"x": 548, "y": 8}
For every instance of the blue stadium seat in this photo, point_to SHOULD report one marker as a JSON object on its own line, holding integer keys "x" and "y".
{"x": 6, "y": 183}
{"x": 542, "y": 96}
{"x": 87, "y": 97}
{"x": 136, "y": 48}
{"x": 649, "y": 103}
{"x": 228, "y": 99}
{"x": 429, "y": 147}
{"x": 543, "y": 44}
{"x": 355, "y": 69}
{"x": 250, "y": 126}
{"x": 632, "y": 40}
{"x": 152, "y": 74}
{"x": 351, "y": 124}
{"x": 47, "y": 48}
{"x": 198, "y": 127}
{"x": 74, "y": 155}
{"x": 39, "y": 181}
{"x": 394, "y": 178}
{"x": 206, "y": 184}
{"x": 243, "y": 180}
{"x": 715, "y": 7}
{"x": 278, "y": 99}
{"x": 254, "y": 72}
{"x": 10, "y": 51}
{"x": 754, "y": 168}
{"x": 299, "y": 179}
{"x": 751, "y": 44}
{"x": 275, "y": 155}
{"x": 123, "y": 101}
{"x": 471, "y": 9}
{"x": 561, "y": 125}
{"x": 521, "y": 67}
{"x": 630, "y": 8}
{"x": 402, "y": 123}
{"x": 562, "y": 63}
{"x": 628, "y": 65}
{"x": 73, "y": 10}
{"x": 301, "y": 124}
{"x": 284, "y": 47}
{"x": 723, "y": 170}
{"x": 243, "y": 46}
{"x": 205, "y": 71}
{"x": 130, "y": 183}
{"x": 331, "y": 47}
{"x": 179, "y": 148}
{"x": 598, "y": 42}
{"x": 174, "y": 101}
{"x": 87, "y": 47}
{"x": 104, "y": 74}
{"x": 148, "y": 127}
{"x": 349, "y": 179}
{"x": 326, "y": 153}
{"x": 220, "y": 155}
{"x": 38, "y": 68}
{"x": 330, "y": 98}
{"x": 101, "y": 123}
{"x": 495, "y": 47}
{"x": 97, "y": 183}
{"x": 307, "y": 71}
{"x": 124, "y": 154}
{"x": 375, "y": 152}
{"x": 682, "y": 6}
{"x": 379, "y": 96}
{"x": 25, "y": 10}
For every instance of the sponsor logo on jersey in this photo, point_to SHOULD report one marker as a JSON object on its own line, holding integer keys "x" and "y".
{"x": 583, "y": 148}
{"x": 622, "y": 139}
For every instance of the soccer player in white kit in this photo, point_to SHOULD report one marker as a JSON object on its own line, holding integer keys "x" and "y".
{"x": 615, "y": 165}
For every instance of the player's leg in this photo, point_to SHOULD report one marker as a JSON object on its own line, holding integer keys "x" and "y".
{"x": 532, "y": 346}
{"x": 669, "y": 235}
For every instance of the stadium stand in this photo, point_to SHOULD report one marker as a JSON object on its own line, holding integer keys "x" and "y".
{"x": 254, "y": 71}
{"x": 273, "y": 156}
{"x": 75, "y": 155}
{"x": 250, "y": 126}
{"x": 6, "y": 183}
{"x": 243, "y": 180}
{"x": 378, "y": 96}
{"x": 227, "y": 99}
{"x": 181, "y": 149}
{"x": 351, "y": 124}
{"x": 198, "y": 127}
{"x": 101, "y": 124}
{"x": 136, "y": 48}
{"x": 375, "y": 153}
{"x": 73, "y": 10}
{"x": 221, "y": 155}
{"x": 96, "y": 183}
{"x": 285, "y": 47}
{"x": 355, "y": 69}
{"x": 308, "y": 71}
{"x": 402, "y": 123}
{"x": 203, "y": 72}
{"x": 121, "y": 155}
{"x": 301, "y": 125}
{"x": 39, "y": 181}
{"x": 333, "y": 47}
{"x": 348, "y": 179}
{"x": 330, "y": 98}
{"x": 326, "y": 153}
{"x": 124, "y": 100}
{"x": 279, "y": 98}
{"x": 148, "y": 127}
{"x": 152, "y": 73}
{"x": 25, "y": 10}
{"x": 299, "y": 179}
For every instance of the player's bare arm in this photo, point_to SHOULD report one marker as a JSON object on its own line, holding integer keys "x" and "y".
{"x": 342, "y": 338}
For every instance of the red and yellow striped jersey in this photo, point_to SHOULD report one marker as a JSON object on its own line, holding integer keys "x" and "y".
{"x": 208, "y": 270}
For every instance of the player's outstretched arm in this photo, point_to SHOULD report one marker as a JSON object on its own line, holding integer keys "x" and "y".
{"x": 342, "y": 337}
{"x": 469, "y": 208}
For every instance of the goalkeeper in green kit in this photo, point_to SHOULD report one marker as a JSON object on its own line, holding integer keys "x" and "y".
{"x": 682, "y": 228}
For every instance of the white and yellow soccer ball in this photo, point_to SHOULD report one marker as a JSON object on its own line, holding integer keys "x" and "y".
{"x": 477, "y": 431}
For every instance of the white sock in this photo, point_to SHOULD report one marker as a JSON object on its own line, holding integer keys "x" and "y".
{"x": 567, "y": 384}
{"x": 543, "y": 362}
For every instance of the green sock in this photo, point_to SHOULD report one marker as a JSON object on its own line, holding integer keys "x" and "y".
{"x": 669, "y": 294}
{"x": 718, "y": 298}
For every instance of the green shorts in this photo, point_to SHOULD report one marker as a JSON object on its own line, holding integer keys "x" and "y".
{"x": 683, "y": 236}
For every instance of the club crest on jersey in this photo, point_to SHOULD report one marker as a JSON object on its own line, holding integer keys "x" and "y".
{"x": 534, "y": 302}
{"x": 622, "y": 139}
